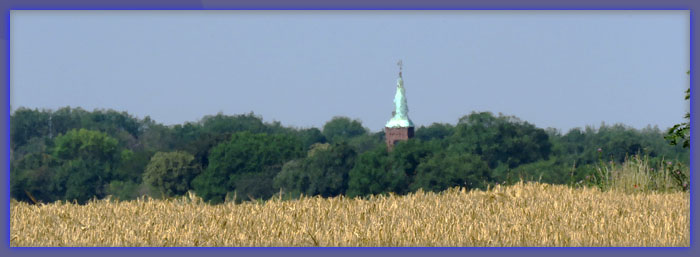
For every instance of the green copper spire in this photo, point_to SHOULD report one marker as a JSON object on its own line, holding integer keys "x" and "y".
{"x": 400, "y": 118}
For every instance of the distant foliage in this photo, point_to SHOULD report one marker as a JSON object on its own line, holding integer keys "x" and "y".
{"x": 86, "y": 162}
{"x": 76, "y": 155}
{"x": 244, "y": 154}
{"x": 436, "y": 131}
{"x": 85, "y": 144}
{"x": 81, "y": 179}
{"x": 171, "y": 172}
{"x": 341, "y": 129}
{"x": 372, "y": 174}
{"x": 325, "y": 172}
{"x": 32, "y": 178}
{"x": 500, "y": 140}
{"x": 310, "y": 136}
{"x": 450, "y": 169}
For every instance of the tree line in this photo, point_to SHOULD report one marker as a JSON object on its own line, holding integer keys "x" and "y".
{"x": 76, "y": 155}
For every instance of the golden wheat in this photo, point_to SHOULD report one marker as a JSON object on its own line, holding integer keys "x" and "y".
{"x": 529, "y": 214}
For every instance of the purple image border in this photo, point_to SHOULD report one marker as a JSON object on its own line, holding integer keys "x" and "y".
{"x": 6, "y": 6}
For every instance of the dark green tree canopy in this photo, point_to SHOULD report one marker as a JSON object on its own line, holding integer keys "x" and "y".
{"x": 372, "y": 174}
{"x": 171, "y": 172}
{"x": 73, "y": 154}
{"x": 221, "y": 123}
{"x": 311, "y": 136}
{"x": 343, "y": 128}
{"x": 242, "y": 154}
{"x": 450, "y": 169}
{"x": 408, "y": 154}
{"x": 502, "y": 139}
{"x": 325, "y": 172}
{"x": 436, "y": 131}
{"x": 26, "y": 124}
{"x": 86, "y": 144}
{"x": 31, "y": 178}
{"x": 81, "y": 179}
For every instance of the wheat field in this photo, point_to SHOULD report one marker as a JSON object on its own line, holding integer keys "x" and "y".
{"x": 525, "y": 214}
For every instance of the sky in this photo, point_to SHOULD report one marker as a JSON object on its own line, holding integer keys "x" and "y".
{"x": 558, "y": 69}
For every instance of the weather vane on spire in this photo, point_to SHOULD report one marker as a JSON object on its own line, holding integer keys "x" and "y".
{"x": 400, "y": 64}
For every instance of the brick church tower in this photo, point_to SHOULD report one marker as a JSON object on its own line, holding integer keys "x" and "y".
{"x": 400, "y": 127}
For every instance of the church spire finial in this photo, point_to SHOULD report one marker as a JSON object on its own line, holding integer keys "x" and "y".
{"x": 400, "y": 64}
{"x": 400, "y": 114}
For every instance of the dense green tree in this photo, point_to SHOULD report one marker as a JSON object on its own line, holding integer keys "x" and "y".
{"x": 123, "y": 190}
{"x": 365, "y": 142}
{"x": 310, "y": 136}
{"x": 67, "y": 118}
{"x": 372, "y": 174}
{"x": 502, "y": 139}
{"x": 341, "y": 129}
{"x": 406, "y": 157}
{"x": 112, "y": 122}
{"x": 573, "y": 142}
{"x": 73, "y": 154}
{"x": 325, "y": 172}
{"x": 242, "y": 154}
{"x": 257, "y": 185}
{"x": 26, "y": 124}
{"x": 552, "y": 171}
{"x": 185, "y": 134}
{"x": 88, "y": 160}
{"x": 131, "y": 165}
{"x": 171, "y": 172}
{"x": 293, "y": 180}
{"x": 449, "y": 169}
{"x": 85, "y": 144}
{"x": 221, "y": 123}
{"x": 275, "y": 127}
{"x": 201, "y": 147}
{"x": 34, "y": 145}
{"x": 155, "y": 137}
{"x": 81, "y": 179}
{"x": 436, "y": 131}
{"x": 32, "y": 176}
{"x": 377, "y": 171}
{"x": 613, "y": 143}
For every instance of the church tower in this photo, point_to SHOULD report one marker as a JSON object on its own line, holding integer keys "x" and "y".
{"x": 399, "y": 127}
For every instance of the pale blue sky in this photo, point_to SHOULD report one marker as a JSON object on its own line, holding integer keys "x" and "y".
{"x": 560, "y": 69}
